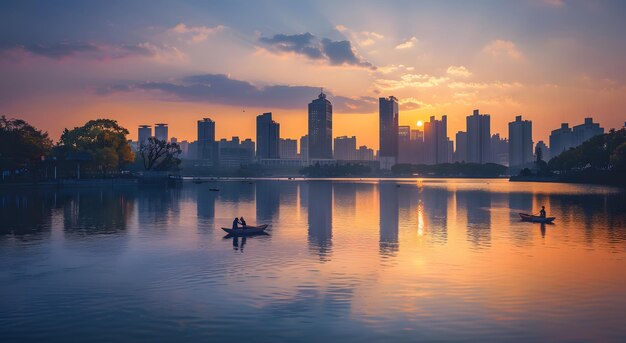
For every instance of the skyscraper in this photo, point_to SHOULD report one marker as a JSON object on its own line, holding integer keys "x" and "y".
{"x": 499, "y": 150}
{"x": 561, "y": 139}
{"x": 520, "y": 142}
{"x": 304, "y": 147}
{"x": 321, "y": 128}
{"x": 388, "y": 131}
{"x": 460, "y": 155}
{"x": 404, "y": 145}
{"x": 160, "y": 131}
{"x": 478, "y": 138}
{"x": 586, "y": 131}
{"x": 436, "y": 140}
{"x": 545, "y": 152}
{"x": 267, "y": 136}
{"x": 144, "y": 132}
{"x": 345, "y": 148}
{"x": 206, "y": 146}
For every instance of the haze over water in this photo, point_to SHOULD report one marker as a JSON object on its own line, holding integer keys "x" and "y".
{"x": 349, "y": 259}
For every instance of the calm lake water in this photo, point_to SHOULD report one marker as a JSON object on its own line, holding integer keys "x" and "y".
{"x": 344, "y": 261}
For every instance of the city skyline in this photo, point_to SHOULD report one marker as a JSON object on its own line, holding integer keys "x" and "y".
{"x": 165, "y": 68}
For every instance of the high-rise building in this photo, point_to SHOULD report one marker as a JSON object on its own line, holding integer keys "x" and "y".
{"x": 436, "y": 140}
{"x": 404, "y": 145}
{"x": 499, "y": 150}
{"x": 320, "y": 128}
{"x": 460, "y": 154}
{"x": 144, "y": 132}
{"x": 304, "y": 147}
{"x": 267, "y": 136}
{"x": 288, "y": 148}
{"x": 184, "y": 149}
{"x": 345, "y": 148}
{"x": 206, "y": 148}
{"x": 520, "y": 142}
{"x": 417, "y": 146}
{"x": 478, "y": 138}
{"x": 234, "y": 154}
{"x": 365, "y": 154}
{"x": 160, "y": 131}
{"x": 586, "y": 131}
{"x": 388, "y": 131}
{"x": 561, "y": 140}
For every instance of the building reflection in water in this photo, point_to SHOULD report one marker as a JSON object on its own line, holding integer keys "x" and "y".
{"x": 389, "y": 213}
{"x": 434, "y": 202}
{"x": 96, "y": 211}
{"x": 320, "y": 217}
{"x": 267, "y": 200}
{"x": 477, "y": 206}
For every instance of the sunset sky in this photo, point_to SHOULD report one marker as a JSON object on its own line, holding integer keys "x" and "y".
{"x": 142, "y": 62}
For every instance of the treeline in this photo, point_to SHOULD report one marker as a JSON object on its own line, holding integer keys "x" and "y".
{"x": 99, "y": 148}
{"x": 603, "y": 152}
{"x": 457, "y": 169}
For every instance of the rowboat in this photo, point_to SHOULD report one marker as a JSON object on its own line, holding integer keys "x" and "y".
{"x": 536, "y": 219}
{"x": 248, "y": 230}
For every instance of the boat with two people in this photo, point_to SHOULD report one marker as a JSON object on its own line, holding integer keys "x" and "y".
{"x": 244, "y": 229}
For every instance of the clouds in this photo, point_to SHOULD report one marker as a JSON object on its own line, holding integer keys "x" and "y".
{"x": 90, "y": 51}
{"x": 221, "y": 89}
{"x": 362, "y": 38}
{"x": 196, "y": 34}
{"x": 500, "y": 48}
{"x": 407, "y": 44}
{"x": 333, "y": 52}
{"x": 460, "y": 71}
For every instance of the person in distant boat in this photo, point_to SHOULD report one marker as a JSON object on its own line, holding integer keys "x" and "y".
{"x": 243, "y": 222}
{"x": 236, "y": 223}
{"x": 542, "y": 213}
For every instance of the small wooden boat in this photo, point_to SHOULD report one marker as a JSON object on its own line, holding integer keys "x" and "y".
{"x": 248, "y": 230}
{"x": 536, "y": 219}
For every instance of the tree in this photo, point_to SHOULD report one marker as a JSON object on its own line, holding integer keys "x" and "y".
{"x": 159, "y": 155}
{"x": 618, "y": 158}
{"x": 21, "y": 144}
{"x": 103, "y": 139}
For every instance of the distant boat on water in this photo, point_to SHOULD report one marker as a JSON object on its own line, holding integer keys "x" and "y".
{"x": 536, "y": 219}
{"x": 247, "y": 230}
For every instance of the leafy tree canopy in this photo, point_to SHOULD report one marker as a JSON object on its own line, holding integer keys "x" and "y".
{"x": 21, "y": 143}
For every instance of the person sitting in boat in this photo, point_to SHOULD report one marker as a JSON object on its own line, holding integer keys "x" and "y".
{"x": 542, "y": 213}
{"x": 236, "y": 223}
{"x": 243, "y": 222}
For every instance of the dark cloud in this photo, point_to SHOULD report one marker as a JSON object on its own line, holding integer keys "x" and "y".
{"x": 60, "y": 50}
{"x": 334, "y": 52}
{"x": 86, "y": 50}
{"x": 220, "y": 89}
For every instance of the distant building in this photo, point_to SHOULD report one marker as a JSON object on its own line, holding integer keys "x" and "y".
{"x": 417, "y": 146}
{"x": 288, "y": 148}
{"x": 160, "y": 132}
{"x": 267, "y": 136}
{"x": 545, "y": 152}
{"x": 499, "y": 150}
{"x": 404, "y": 145}
{"x": 206, "y": 147}
{"x": 478, "y": 137}
{"x": 460, "y": 155}
{"x": 561, "y": 140}
{"x": 320, "y": 128}
{"x": 586, "y": 131}
{"x": 365, "y": 154}
{"x": 436, "y": 141}
{"x": 388, "y": 131}
{"x": 520, "y": 142}
{"x": 304, "y": 147}
{"x": 144, "y": 132}
{"x": 345, "y": 148}
{"x": 234, "y": 154}
{"x": 184, "y": 148}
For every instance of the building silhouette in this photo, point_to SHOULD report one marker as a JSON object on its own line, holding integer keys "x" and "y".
{"x": 520, "y": 142}
{"x": 460, "y": 154}
{"x": 436, "y": 142}
{"x": 267, "y": 136}
{"x": 405, "y": 153}
{"x": 304, "y": 147}
{"x": 545, "y": 152}
{"x": 234, "y": 153}
{"x": 417, "y": 146}
{"x": 478, "y": 138}
{"x": 288, "y": 148}
{"x": 499, "y": 150}
{"x": 564, "y": 138}
{"x": 586, "y": 131}
{"x": 345, "y": 148}
{"x": 160, "y": 132}
{"x": 365, "y": 154}
{"x": 206, "y": 148}
{"x": 320, "y": 128}
{"x": 388, "y": 131}
{"x": 144, "y": 132}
